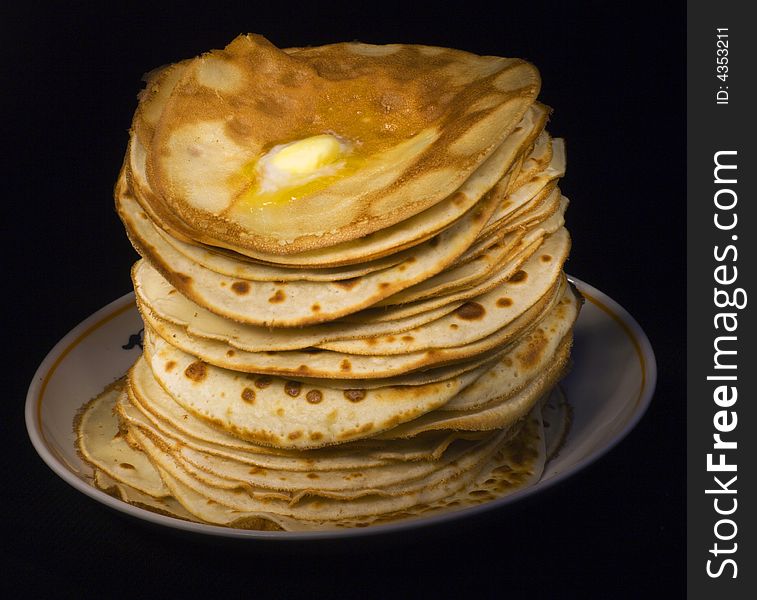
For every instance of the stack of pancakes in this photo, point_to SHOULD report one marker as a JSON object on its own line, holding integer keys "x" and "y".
{"x": 351, "y": 284}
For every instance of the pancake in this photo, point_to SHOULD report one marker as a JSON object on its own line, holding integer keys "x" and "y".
{"x": 505, "y": 251}
{"x": 495, "y": 308}
{"x": 517, "y": 461}
{"x": 498, "y": 414}
{"x": 169, "y": 339}
{"x": 165, "y": 415}
{"x": 352, "y": 288}
{"x": 292, "y": 484}
{"x": 282, "y": 415}
{"x": 531, "y": 355}
{"x": 477, "y": 318}
{"x": 285, "y": 413}
{"x": 101, "y": 442}
{"x": 158, "y": 296}
{"x": 441, "y": 115}
{"x": 299, "y": 302}
{"x": 556, "y": 244}
{"x": 406, "y": 233}
{"x": 538, "y": 159}
{"x": 448, "y": 479}
{"x": 167, "y": 506}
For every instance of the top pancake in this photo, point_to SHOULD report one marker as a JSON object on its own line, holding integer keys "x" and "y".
{"x": 414, "y": 122}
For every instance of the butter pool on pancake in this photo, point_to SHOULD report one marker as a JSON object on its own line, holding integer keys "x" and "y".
{"x": 351, "y": 283}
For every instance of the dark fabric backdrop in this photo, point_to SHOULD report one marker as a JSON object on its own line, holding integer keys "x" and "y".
{"x": 614, "y": 73}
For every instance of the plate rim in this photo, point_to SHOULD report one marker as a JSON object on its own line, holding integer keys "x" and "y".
{"x": 46, "y": 369}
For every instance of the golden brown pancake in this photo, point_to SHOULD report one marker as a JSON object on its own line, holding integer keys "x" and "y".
{"x": 413, "y": 122}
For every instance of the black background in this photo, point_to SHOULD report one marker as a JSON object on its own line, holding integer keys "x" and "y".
{"x": 614, "y": 73}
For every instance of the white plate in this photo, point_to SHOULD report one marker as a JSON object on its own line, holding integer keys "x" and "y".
{"x": 610, "y": 386}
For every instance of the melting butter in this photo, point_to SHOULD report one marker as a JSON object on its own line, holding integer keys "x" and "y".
{"x": 289, "y": 171}
{"x": 306, "y": 156}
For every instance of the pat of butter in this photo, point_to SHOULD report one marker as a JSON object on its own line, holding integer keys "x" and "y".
{"x": 306, "y": 156}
